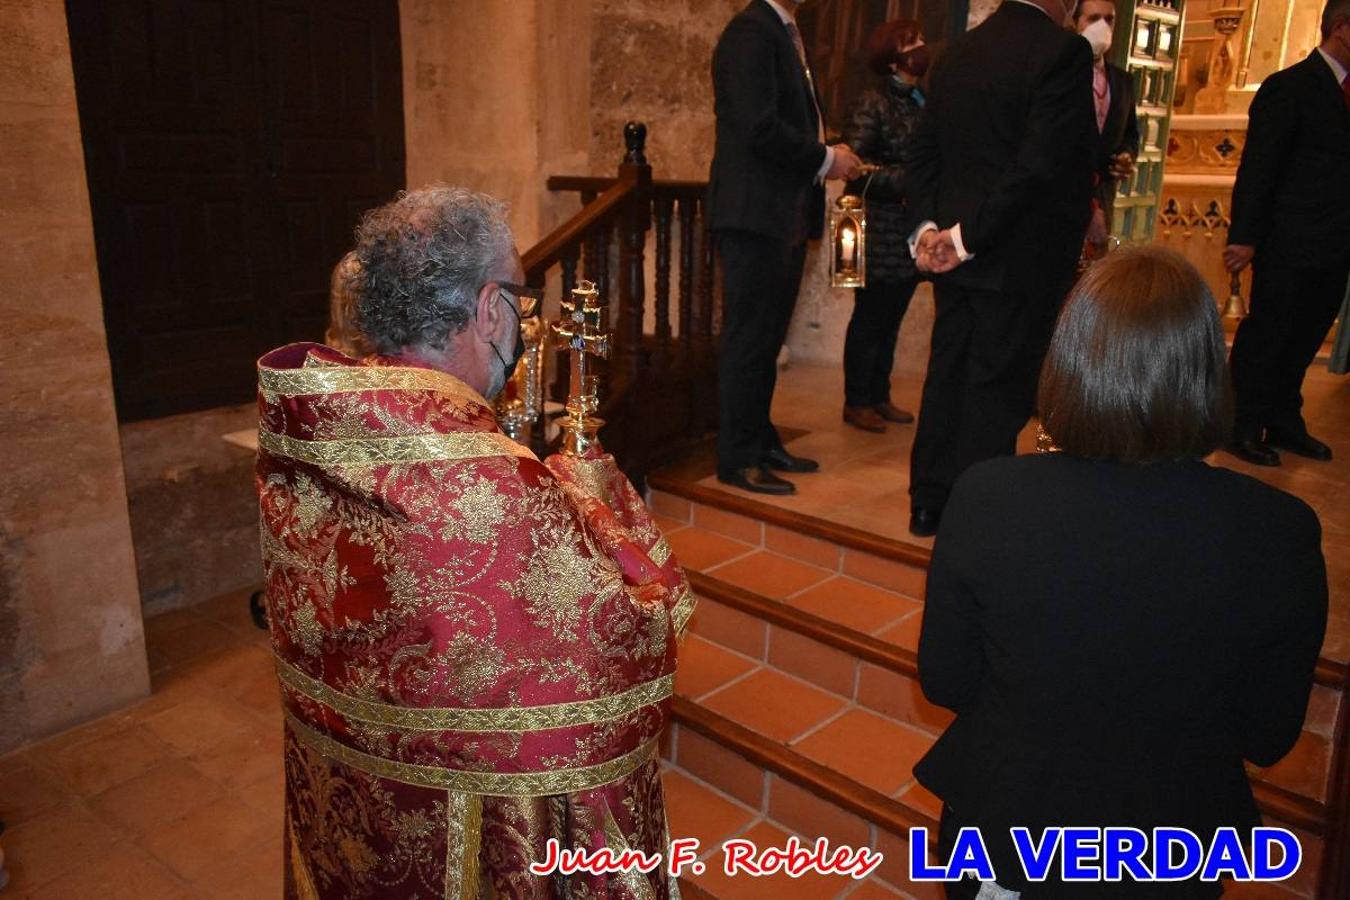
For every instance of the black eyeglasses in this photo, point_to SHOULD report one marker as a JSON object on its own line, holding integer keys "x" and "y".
{"x": 526, "y": 297}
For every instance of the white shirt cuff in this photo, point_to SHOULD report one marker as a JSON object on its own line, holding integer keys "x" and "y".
{"x": 961, "y": 253}
{"x": 919, "y": 232}
{"x": 829, "y": 161}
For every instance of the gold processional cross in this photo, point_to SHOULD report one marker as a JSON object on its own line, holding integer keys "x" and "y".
{"x": 581, "y": 329}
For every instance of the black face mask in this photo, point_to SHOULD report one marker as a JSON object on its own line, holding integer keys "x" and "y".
{"x": 915, "y": 62}
{"x": 509, "y": 368}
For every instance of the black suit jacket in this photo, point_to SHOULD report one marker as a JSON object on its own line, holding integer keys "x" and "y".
{"x": 1007, "y": 149}
{"x": 767, "y": 155}
{"x": 1292, "y": 196}
{"x": 1115, "y": 640}
{"x": 1119, "y": 135}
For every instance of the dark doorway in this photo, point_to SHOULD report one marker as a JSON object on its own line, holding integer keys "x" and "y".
{"x": 231, "y": 146}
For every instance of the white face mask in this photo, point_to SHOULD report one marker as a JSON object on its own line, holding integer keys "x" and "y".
{"x": 1098, "y": 34}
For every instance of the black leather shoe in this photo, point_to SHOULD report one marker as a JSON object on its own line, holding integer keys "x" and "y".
{"x": 923, "y": 521}
{"x": 780, "y": 460}
{"x": 758, "y": 480}
{"x": 1299, "y": 444}
{"x": 1253, "y": 451}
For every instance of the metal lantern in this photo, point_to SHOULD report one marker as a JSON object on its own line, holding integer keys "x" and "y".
{"x": 848, "y": 235}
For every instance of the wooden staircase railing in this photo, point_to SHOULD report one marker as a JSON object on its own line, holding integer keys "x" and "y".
{"x": 658, "y": 390}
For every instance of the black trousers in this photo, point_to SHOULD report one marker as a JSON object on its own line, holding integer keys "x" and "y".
{"x": 869, "y": 344}
{"x": 1291, "y": 311}
{"x": 980, "y": 388}
{"x": 760, "y": 278}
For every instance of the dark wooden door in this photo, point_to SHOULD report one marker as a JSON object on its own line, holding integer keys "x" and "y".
{"x": 231, "y": 146}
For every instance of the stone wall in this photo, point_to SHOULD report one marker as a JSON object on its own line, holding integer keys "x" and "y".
{"x": 495, "y": 98}
{"x": 651, "y": 61}
{"x": 71, "y": 644}
{"x": 194, "y": 514}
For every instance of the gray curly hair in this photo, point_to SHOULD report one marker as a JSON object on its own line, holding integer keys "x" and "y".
{"x": 422, "y": 259}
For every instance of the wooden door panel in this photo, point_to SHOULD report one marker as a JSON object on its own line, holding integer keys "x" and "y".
{"x": 334, "y": 76}
{"x": 231, "y": 146}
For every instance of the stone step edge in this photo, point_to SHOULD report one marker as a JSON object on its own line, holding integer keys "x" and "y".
{"x": 810, "y": 526}
{"x": 832, "y": 634}
{"x": 1328, "y": 672}
{"x": 1277, "y": 802}
{"x": 868, "y": 804}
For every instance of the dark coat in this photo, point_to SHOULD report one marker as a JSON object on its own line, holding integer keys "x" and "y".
{"x": 1115, "y": 640}
{"x": 879, "y": 130}
{"x": 1292, "y": 196}
{"x": 1120, "y": 135}
{"x": 764, "y": 166}
{"x": 1006, "y": 148}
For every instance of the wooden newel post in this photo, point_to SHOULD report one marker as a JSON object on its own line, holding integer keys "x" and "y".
{"x": 632, "y": 239}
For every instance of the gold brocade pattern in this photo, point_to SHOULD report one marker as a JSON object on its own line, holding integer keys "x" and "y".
{"x": 636, "y": 882}
{"x": 303, "y": 883}
{"x": 683, "y": 609}
{"x": 365, "y": 452}
{"x": 333, "y": 379}
{"x": 507, "y": 784}
{"x": 595, "y": 711}
{"x": 464, "y": 839}
{"x": 660, "y": 552}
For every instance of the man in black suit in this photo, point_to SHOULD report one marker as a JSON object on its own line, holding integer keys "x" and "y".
{"x": 765, "y": 200}
{"x": 1291, "y": 222}
{"x": 1001, "y": 182}
{"x": 1113, "y": 102}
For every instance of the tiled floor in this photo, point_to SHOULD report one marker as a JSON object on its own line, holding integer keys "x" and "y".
{"x": 864, "y": 478}
{"x": 176, "y": 797}
{"x": 180, "y": 795}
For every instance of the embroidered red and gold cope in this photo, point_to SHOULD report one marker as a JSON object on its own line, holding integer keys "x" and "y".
{"x": 476, "y": 648}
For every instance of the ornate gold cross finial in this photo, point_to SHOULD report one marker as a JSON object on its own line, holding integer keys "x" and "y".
{"x": 581, "y": 329}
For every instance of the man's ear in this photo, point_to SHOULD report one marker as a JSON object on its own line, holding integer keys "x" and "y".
{"x": 487, "y": 312}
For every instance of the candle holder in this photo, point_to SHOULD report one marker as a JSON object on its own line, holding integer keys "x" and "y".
{"x": 522, "y": 398}
{"x": 848, "y": 239}
{"x": 581, "y": 329}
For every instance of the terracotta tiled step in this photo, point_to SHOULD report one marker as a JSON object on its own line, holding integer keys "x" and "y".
{"x": 891, "y": 564}
{"x": 699, "y": 809}
{"x": 847, "y": 620}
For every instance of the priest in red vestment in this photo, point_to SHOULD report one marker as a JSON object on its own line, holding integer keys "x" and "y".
{"x": 476, "y": 648}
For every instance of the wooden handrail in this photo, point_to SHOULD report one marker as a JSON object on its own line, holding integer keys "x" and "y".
{"x": 596, "y": 183}
{"x": 551, "y": 248}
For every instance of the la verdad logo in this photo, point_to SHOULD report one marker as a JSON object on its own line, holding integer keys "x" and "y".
{"x": 1115, "y": 853}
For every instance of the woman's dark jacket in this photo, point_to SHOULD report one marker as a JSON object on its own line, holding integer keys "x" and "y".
{"x": 1115, "y": 640}
{"x": 879, "y": 130}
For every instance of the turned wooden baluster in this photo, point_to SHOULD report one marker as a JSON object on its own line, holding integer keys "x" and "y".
{"x": 703, "y": 321}
{"x": 664, "y": 207}
{"x": 688, "y": 206}
{"x": 632, "y": 239}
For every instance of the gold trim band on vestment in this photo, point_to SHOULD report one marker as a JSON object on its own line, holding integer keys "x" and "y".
{"x": 521, "y": 718}
{"x": 683, "y": 609}
{"x": 495, "y": 784}
{"x": 385, "y": 451}
{"x": 660, "y": 552}
{"x": 340, "y": 379}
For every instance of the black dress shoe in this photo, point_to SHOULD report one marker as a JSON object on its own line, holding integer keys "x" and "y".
{"x": 780, "y": 460}
{"x": 1300, "y": 444}
{"x": 923, "y": 521}
{"x": 758, "y": 480}
{"x": 1253, "y": 451}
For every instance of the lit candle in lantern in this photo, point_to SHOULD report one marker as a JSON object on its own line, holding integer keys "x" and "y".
{"x": 848, "y": 241}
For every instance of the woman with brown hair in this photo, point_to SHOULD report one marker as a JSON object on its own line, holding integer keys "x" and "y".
{"x": 879, "y": 131}
{"x": 344, "y": 331}
{"x": 1119, "y": 625}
